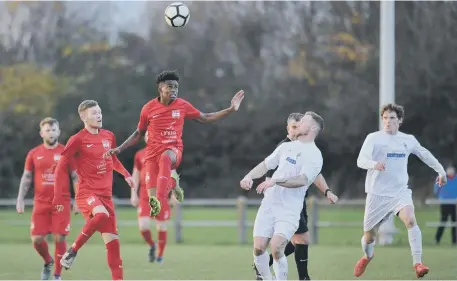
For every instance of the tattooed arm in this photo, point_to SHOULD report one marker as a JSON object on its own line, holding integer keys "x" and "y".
{"x": 24, "y": 186}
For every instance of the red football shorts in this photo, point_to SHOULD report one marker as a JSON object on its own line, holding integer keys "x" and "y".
{"x": 87, "y": 204}
{"x": 45, "y": 219}
{"x": 152, "y": 167}
{"x": 144, "y": 208}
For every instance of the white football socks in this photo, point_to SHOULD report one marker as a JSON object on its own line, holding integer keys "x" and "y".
{"x": 262, "y": 264}
{"x": 415, "y": 242}
{"x": 368, "y": 249}
{"x": 280, "y": 267}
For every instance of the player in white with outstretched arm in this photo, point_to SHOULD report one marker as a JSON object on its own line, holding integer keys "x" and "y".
{"x": 384, "y": 155}
{"x": 299, "y": 162}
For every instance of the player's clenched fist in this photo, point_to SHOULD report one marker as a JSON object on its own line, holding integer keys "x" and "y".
{"x": 246, "y": 183}
{"x": 332, "y": 198}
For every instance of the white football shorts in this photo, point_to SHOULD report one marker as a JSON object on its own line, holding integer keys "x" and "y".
{"x": 378, "y": 208}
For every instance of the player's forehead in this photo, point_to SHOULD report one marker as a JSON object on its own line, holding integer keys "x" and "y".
{"x": 48, "y": 126}
{"x": 171, "y": 82}
{"x": 389, "y": 114}
{"x": 94, "y": 109}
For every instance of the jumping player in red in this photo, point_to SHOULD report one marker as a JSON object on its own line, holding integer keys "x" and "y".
{"x": 94, "y": 195}
{"x": 39, "y": 169}
{"x": 163, "y": 118}
{"x": 142, "y": 203}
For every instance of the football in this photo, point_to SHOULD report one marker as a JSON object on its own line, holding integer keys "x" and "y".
{"x": 177, "y": 14}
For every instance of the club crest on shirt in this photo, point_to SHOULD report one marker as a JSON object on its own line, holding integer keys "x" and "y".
{"x": 56, "y": 157}
{"x": 106, "y": 144}
{"x": 175, "y": 113}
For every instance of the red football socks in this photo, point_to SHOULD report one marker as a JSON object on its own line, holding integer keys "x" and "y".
{"x": 147, "y": 237}
{"x": 43, "y": 251}
{"x": 89, "y": 229}
{"x": 113, "y": 256}
{"x": 164, "y": 177}
{"x": 61, "y": 247}
{"x": 162, "y": 242}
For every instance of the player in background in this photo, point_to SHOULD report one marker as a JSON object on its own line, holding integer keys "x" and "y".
{"x": 384, "y": 154}
{"x": 39, "y": 169}
{"x": 163, "y": 118}
{"x": 142, "y": 202}
{"x": 94, "y": 194}
{"x": 300, "y": 240}
{"x": 299, "y": 163}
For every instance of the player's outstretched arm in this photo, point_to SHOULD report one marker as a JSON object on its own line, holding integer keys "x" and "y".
{"x": 427, "y": 157}
{"x": 214, "y": 116}
{"x": 130, "y": 141}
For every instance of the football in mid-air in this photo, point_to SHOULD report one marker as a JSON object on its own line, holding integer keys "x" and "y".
{"x": 177, "y": 14}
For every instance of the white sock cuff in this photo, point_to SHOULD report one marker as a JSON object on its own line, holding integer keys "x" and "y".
{"x": 414, "y": 228}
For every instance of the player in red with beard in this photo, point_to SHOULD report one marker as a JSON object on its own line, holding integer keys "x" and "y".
{"x": 95, "y": 185}
{"x": 163, "y": 118}
{"x": 39, "y": 169}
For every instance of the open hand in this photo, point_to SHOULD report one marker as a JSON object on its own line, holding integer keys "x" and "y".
{"x": 264, "y": 185}
{"x": 236, "y": 100}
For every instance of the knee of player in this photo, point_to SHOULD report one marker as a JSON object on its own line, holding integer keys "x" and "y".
{"x": 143, "y": 223}
{"x": 410, "y": 222}
{"x": 109, "y": 237}
{"x": 37, "y": 239}
{"x": 277, "y": 252}
{"x": 301, "y": 239}
{"x": 100, "y": 210}
{"x": 59, "y": 238}
{"x": 258, "y": 251}
{"x": 161, "y": 225}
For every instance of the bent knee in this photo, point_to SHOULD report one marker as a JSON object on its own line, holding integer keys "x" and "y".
{"x": 300, "y": 239}
{"x": 37, "y": 239}
{"x": 108, "y": 237}
{"x": 258, "y": 251}
{"x": 100, "y": 210}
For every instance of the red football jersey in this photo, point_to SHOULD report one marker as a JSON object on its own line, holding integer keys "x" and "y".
{"x": 95, "y": 172}
{"x": 164, "y": 124}
{"x": 138, "y": 163}
{"x": 42, "y": 162}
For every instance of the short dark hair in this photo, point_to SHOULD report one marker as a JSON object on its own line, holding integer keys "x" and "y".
{"x": 167, "y": 75}
{"x": 86, "y": 104}
{"x": 316, "y": 117}
{"x": 295, "y": 116}
{"x": 392, "y": 107}
{"x": 50, "y": 121}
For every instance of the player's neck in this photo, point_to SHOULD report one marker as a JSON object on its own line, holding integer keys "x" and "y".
{"x": 92, "y": 130}
{"x": 48, "y": 146}
{"x": 390, "y": 132}
{"x": 165, "y": 101}
{"x": 306, "y": 138}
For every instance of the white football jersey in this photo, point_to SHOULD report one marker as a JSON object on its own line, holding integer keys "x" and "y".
{"x": 293, "y": 159}
{"x": 394, "y": 150}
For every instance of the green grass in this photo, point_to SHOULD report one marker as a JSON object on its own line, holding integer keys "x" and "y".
{"x": 213, "y": 253}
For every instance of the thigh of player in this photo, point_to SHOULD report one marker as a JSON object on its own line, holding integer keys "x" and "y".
{"x": 402, "y": 200}
{"x": 87, "y": 204}
{"x": 286, "y": 223}
{"x": 41, "y": 220}
{"x": 377, "y": 208}
{"x": 264, "y": 222}
{"x": 61, "y": 220}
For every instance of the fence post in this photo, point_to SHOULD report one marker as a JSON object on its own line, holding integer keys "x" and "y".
{"x": 241, "y": 210}
{"x": 178, "y": 223}
{"x": 313, "y": 223}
